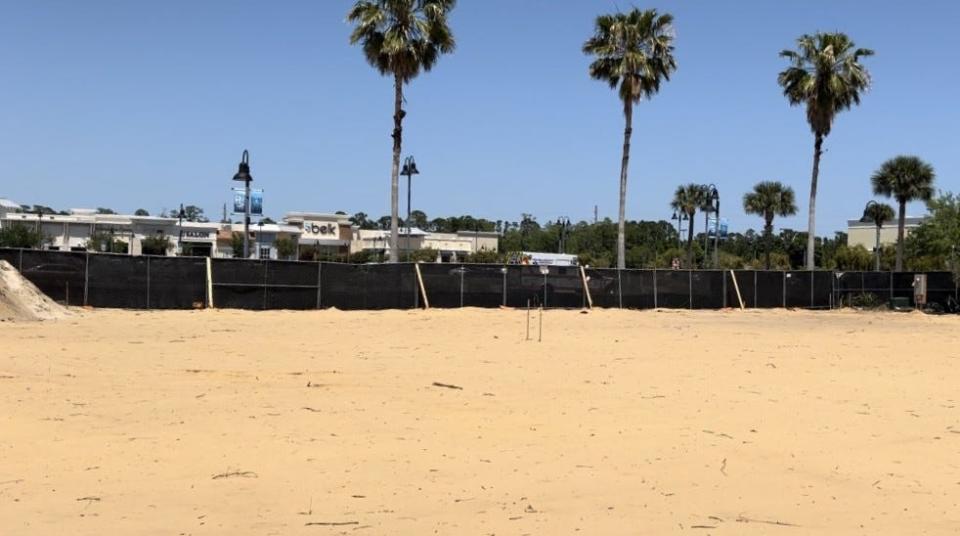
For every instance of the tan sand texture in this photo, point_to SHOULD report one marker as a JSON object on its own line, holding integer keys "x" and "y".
{"x": 327, "y": 422}
{"x": 20, "y": 300}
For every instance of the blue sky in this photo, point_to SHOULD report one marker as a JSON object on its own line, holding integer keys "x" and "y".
{"x": 149, "y": 104}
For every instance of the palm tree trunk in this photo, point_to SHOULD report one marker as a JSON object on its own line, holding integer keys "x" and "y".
{"x": 900, "y": 227}
{"x": 621, "y": 223}
{"x": 398, "y": 114}
{"x": 811, "y": 222}
{"x": 767, "y": 238}
{"x": 690, "y": 242}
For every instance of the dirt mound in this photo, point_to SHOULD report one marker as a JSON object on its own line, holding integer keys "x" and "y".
{"x": 20, "y": 300}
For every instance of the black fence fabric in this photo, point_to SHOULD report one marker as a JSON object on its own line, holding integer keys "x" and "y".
{"x": 148, "y": 282}
{"x": 880, "y": 287}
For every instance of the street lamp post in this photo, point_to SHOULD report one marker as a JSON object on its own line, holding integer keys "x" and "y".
{"x": 715, "y": 197}
{"x": 243, "y": 175}
{"x": 409, "y": 169}
{"x": 681, "y": 217}
{"x": 868, "y": 217}
{"x": 706, "y": 234}
{"x": 564, "y": 223}
{"x": 180, "y": 216}
{"x": 259, "y": 237}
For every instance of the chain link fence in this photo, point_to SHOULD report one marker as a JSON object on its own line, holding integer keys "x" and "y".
{"x": 147, "y": 282}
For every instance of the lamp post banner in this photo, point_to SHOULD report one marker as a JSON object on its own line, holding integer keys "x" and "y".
{"x": 240, "y": 205}
{"x": 239, "y": 201}
{"x": 712, "y": 226}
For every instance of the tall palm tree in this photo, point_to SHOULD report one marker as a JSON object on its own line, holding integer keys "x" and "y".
{"x": 401, "y": 38}
{"x": 878, "y": 213}
{"x": 769, "y": 199}
{"x": 634, "y": 52}
{"x": 904, "y": 178}
{"x": 826, "y": 76}
{"x": 687, "y": 200}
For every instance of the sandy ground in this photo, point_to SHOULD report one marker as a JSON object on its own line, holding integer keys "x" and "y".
{"x": 229, "y": 422}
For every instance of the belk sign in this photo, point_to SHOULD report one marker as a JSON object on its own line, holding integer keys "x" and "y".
{"x": 321, "y": 229}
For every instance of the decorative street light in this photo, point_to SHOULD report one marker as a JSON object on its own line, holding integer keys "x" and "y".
{"x": 714, "y": 196}
{"x": 564, "y": 224}
{"x": 680, "y": 216}
{"x": 871, "y": 216}
{"x": 180, "y": 216}
{"x": 243, "y": 175}
{"x": 409, "y": 169}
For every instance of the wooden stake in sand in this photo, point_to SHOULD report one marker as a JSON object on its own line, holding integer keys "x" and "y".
{"x": 586, "y": 288}
{"x": 540, "y": 336}
{"x": 736, "y": 287}
{"x": 528, "y": 320}
{"x": 423, "y": 289}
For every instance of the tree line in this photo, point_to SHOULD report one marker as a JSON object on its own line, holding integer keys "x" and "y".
{"x": 633, "y": 52}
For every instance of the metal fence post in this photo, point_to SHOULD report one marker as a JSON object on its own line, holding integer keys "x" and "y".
{"x": 504, "y": 271}
{"x": 784, "y": 289}
{"x": 891, "y": 285}
{"x": 690, "y": 288}
{"x": 755, "y": 300}
{"x": 416, "y": 285}
{"x": 20, "y": 265}
{"x": 620, "y": 288}
{"x": 86, "y": 276}
{"x": 148, "y": 282}
{"x": 319, "y": 282}
{"x": 724, "y": 279}
{"x": 266, "y": 267}
{"x": 656, "y": 302}
{"x": 812, "y": 301}
{"x": 462, "y": 270}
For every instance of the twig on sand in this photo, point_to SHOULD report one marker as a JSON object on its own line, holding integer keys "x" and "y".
{"x": 331, "y": 523}
{"x": 723, "y": 467}
{"x": 447, "y": 385}
{"x": 89, "y": 499}
{"x": 742, "y": 519}
{"x": 315, "y": 410}
{"x": 242, "y": 474}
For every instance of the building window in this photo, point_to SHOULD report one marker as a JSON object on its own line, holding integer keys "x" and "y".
{"x": 264, "y": 253}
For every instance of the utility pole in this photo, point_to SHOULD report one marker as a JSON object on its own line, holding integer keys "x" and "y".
{"x": 595, "y": 214}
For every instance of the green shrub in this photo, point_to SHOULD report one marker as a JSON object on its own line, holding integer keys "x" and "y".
{"x": 19, "y": 235}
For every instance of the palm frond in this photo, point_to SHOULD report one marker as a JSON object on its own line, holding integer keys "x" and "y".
{"x": 402, "y": 37}
{"x": 633, "y": 52}
{"x": 825, "y": 75}
{"x": 904, "y": 178}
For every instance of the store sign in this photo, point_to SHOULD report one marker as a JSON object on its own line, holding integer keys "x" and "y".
{"x": 321, "y": 230}
{"x": 204, "y": 235}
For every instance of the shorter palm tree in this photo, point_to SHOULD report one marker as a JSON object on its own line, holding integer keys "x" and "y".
{"x": 769, "y": 199}
{"x": 687, "y": 200}
{"x": 878, "y": 213}
{"x": 904, "y": 178}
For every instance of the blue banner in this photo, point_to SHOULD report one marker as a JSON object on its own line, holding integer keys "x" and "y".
{"x": 240, "y": 205}
{"x": 256, "y": 202}
{"x": 712, "y": 227}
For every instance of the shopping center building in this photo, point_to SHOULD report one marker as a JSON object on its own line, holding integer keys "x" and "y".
{"x": 314, "y": 235}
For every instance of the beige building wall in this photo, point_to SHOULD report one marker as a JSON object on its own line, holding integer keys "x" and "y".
{"x": 865, "y": 234}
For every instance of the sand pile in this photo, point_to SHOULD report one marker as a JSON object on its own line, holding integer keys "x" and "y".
{"x": 21, "y": 300}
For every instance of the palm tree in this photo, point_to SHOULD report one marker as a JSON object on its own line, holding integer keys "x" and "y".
{"x": 401, "y": 38}
{"x": 904, "y": 178}
{"x": 826, "y": 76}
{"x": 634, "y": 51}
{"x": 769, "y": 199}
{"x": 688, "y": 199}
{"x": 878, "y": 213}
